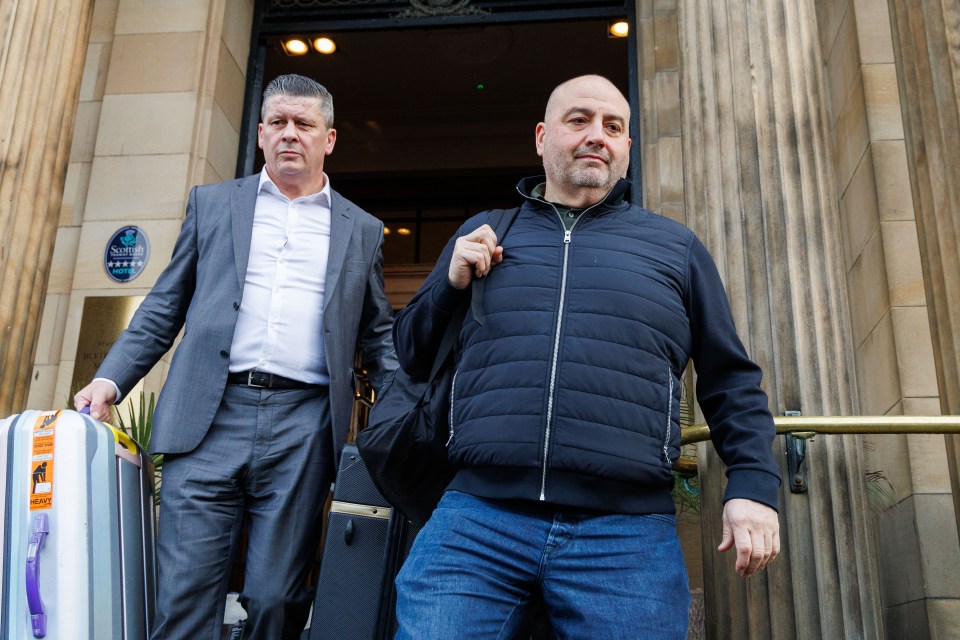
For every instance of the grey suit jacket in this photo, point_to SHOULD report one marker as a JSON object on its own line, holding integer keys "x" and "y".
{"x": 202, "y": 287}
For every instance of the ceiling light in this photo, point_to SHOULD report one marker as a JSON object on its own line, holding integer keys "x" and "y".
{"x": 403, "y": 231}
{"x": 324, "y": 45}
{"x": 386, "y": 231}
{"x": 295, "y": 47}
{"x": 618, "y": 29}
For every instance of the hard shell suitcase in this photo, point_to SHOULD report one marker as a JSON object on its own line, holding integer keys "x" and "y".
{"x": 366, "y": 543}
{"x": 77, "y": 528}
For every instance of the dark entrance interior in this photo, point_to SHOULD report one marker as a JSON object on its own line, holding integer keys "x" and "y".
{"x": 436, "y": 122}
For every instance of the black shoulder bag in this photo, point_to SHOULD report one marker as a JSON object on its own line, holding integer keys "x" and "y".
{"x": 404, "y": 445}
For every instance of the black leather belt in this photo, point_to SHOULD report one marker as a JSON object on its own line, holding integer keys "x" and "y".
{"x": 264, "y": 380}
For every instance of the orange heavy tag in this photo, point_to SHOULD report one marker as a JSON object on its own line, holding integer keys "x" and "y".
{"x": 41, "y": 462}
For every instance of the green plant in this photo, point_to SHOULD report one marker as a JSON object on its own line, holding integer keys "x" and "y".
{"x": 140, "y": 427}
{"x": 686, "y": 494}
{"x": 68, "y": 404}
{"x": 881, "y": 495}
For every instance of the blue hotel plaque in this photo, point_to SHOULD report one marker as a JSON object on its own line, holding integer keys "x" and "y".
{"x": 126, "y": 254}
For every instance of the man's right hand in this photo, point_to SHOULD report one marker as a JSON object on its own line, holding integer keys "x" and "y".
{"x": 473, "y": 256}
{"x": 99, "y": 395}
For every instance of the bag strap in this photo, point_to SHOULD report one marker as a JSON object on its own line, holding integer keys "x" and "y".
{"x": 500, "y": 220}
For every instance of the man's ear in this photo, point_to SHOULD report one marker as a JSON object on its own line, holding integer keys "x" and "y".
{"x": 540, "y": 133}
{"x": 331, "y": 141}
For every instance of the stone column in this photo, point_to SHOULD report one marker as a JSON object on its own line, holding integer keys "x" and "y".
{"x": 925, "y": 39}
{"x": 760, "y": 192}
{"x": 42, "y": 49}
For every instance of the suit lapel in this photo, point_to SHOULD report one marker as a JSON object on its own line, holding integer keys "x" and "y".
{"x": 341, "y": 226}
{"x": 242, "y": 206}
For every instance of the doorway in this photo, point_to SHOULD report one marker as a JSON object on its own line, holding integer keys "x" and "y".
{"x": 435, "y": 116}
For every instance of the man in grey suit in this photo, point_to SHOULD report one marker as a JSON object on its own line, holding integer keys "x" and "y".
{"x": 278, "y": 281}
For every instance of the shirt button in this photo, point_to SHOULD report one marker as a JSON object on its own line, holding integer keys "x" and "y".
{"x": 224, "y": 353}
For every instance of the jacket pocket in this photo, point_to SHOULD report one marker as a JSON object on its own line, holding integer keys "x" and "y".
{"x": 356, "y": 266}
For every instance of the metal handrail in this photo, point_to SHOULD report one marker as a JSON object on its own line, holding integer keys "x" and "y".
{"x": 807, "y": 427}
{"x": 845, "y": 424}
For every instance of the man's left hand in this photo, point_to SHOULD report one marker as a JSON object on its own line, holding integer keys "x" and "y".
{"x": 755, "y": 530}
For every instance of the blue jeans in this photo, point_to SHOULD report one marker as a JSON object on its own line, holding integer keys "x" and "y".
{"x": 474, "y": 566}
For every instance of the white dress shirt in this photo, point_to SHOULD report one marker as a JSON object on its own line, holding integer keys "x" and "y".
{"x": 280, "y": 324}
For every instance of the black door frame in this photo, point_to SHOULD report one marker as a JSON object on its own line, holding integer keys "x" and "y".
{"x": 551, "y": 12}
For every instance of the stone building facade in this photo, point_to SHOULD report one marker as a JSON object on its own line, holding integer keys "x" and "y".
{"x": 813, "y": 145}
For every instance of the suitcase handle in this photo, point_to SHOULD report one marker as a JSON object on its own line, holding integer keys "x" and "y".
{"x": 38, "y": 618}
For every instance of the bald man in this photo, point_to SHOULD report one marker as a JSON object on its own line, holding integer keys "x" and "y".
{"x": 565, "y": 407}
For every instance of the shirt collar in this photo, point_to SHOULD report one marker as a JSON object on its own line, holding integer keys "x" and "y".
{"x": 618, "y": 195}
{"x": 322, "y": 197}
{"x": 538, "y": 191}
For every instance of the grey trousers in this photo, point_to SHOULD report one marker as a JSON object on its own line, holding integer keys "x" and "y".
{"x": 267, "y": 459}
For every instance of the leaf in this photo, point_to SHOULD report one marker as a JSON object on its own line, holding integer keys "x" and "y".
{"x": 140, "y": 428}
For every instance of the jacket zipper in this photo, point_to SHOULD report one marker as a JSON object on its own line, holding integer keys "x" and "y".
{"x": 666, "y": 441}
{"x": 567, "y": 238}
{"x": 453, "y": 386}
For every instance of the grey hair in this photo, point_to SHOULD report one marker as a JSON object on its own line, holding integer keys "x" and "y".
{"x": 293, "y": 84}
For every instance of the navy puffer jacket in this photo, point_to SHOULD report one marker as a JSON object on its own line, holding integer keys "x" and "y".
{"x": 567, "y": 389}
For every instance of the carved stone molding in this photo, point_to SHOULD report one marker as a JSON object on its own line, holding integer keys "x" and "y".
{"x": 433, "y": 8}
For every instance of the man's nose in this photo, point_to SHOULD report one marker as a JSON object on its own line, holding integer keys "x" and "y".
{"x": 595, "y": 134}
{"x": 289, "y": 132}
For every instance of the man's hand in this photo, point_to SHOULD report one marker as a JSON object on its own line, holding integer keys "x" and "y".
{"x": 473, "y": 256}
{"x": 99, "y": 396}
{"x": 755, "y": 529}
